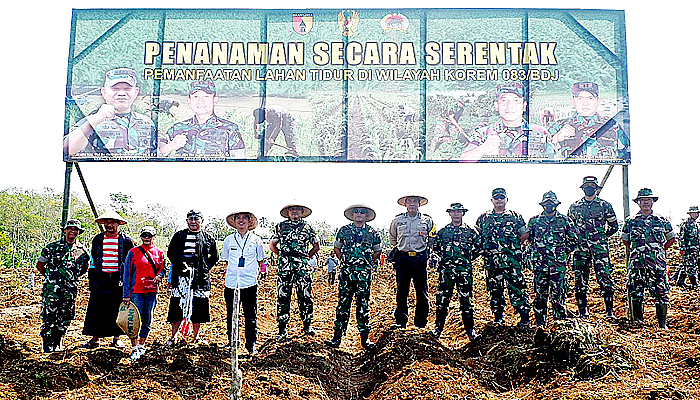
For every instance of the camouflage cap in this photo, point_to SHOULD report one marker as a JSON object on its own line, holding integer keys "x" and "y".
{"x": 516, "y": 88}
{"x": 645, "y": 193}
{"x": 456, "y": 207}
{"x": 693, "y": 209}
{"x": 206, "y": 86}
{"x": 550, "y": 197}
{"x": 498, "y": 191}
{"x": 74, "y": 223}
{"x": 194, "y": 213}
{"x": 589, "y": 87}
{"x": 590, "y": 179}
{"x": 120, "y": 75}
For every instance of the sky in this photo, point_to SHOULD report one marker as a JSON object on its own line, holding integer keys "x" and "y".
{"x": 665, "y": 143}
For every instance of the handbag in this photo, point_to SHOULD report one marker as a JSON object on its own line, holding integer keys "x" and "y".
{"x": 149, "y": 283}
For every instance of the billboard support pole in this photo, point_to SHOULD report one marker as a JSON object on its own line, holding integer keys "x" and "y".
{"x": 66, "y": 194}
{"x": 625, "y": 191}
{"x": 87, "y": 194}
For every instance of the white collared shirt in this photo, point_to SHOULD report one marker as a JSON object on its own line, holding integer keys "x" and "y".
{"x": 250, "y": 246}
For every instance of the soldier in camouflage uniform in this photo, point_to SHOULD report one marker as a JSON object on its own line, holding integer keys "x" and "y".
{"x": 502, "y": 231}
{"x": 595, "y": 220}
{"x": 647, "y": 236}
{"x": 587, "y": 133}
{"x": 61, "y": 263}
{"x": 457, "y": 245}
{"x": 358, "y": 247}
{"x": 291, "y": 240}
{"x": 553, "y": 237}
{"x": 689, "y": 243}
{"x": 511, "y": 136}
{"x": 114, "y": 129}
{"x": 205, "y": 135}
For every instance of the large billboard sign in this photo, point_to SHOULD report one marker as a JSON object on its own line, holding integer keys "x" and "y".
{"x": 363, "y": 85}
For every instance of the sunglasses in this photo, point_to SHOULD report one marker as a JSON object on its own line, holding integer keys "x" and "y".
{"x": 146, "y": 235}
{"x": 499, "y": 197}
{"x": 360, "y": 210}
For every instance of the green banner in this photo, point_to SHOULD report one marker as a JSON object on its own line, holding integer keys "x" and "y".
{"x": 377, "y": 85}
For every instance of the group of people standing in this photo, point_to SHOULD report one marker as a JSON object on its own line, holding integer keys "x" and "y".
{"x": 547, "y": 242}
{"x": 120, "y": 272}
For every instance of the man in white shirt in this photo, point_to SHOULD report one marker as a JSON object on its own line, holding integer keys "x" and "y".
{"x": 244, "y": 252}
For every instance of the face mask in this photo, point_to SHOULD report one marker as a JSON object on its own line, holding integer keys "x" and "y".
{"x": 549, "y": 208}
{"x": 589, "y": 190}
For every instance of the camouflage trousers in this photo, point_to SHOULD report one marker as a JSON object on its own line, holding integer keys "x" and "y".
{"x": 597, "y": 255}
{"x": 549, "y": 283}
{"x": 691, "y": 261}
{"x": 56, "y": 315}
{"x": 463, "y": 280}
{"x": 648, "y": 276}
{"x": 347, "y": 288}
{"x": 295, "y": 274}
{"x": 504, "y": 270}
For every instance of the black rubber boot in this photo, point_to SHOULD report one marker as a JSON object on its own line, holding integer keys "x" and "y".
{"x": 498, "y": 317}
{"x": 609, "y": 306}
{"x": 308, "y": 330}
{"x": 440, "y": 317}
{"x": 468, "y": 321}
{"x": 335, "y": 342}
{"x": 47, "y": 344}
{"x": 637, "y": 312}
{"x": 661, "y": 314}
{"x": 364, "y": 340}
{"x": 582, "y": 303}
{"x": 282, "y": 329}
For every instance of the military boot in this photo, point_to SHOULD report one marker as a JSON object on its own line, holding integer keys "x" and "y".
{"x": 282, "y": 335}
{"x": 47, "y": 343}
{"x": 364, "y": 340}
{"x": 337, "y": 338}
{"x": 693, "y": 281}
{"x": 524, "y": 319}
{"x": 609, "y": 306}
{"x": 57, "y": 342}
{"x": 661, "y": 314}
{"x": 308, "y": 329}
{"x": 637, "y": 312}
{"x": 582, "y": 303}
{"x": 440, "y": 317}
{"x": 468, "y": 321}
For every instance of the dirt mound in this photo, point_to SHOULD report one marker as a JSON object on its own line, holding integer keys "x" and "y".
{"x": 573, "y": 359}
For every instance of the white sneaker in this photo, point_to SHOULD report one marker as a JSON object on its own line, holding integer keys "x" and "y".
{"x": 137, "y": 352}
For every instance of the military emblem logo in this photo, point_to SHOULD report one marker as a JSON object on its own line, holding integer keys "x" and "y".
{"x": 394, "y": 22}
{"x": 349, "y": 22}
{"x": 302, "y": 23}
